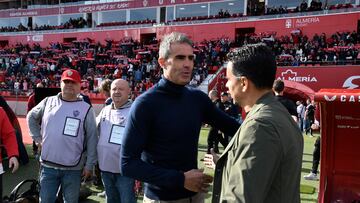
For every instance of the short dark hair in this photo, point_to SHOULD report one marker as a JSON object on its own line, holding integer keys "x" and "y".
{"x": 223, "y": 94}
{"x": 278, "y": 86}
{"x": 256, "y": 62}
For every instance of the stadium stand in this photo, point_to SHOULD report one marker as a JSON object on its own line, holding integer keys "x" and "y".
{"x": 22, "y": 66}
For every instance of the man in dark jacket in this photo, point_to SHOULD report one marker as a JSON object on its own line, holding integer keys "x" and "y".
{"x": 278, "y": 89}
{"x": 215, "y": 134}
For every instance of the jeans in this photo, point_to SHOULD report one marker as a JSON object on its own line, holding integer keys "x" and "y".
{"x": 309, "y": 122}
{"x": 301, "y": 123}
{"x": 51, "y": 179}
{"x": 118, "y": 188}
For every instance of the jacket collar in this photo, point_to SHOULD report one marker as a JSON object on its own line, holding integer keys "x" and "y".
{"x": 263, "y": 100}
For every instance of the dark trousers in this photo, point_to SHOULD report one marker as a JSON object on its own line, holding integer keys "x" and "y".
{"x": 308, "y": 127}
{"x": 301, "y": 123}
{"x": 316, "y": 156}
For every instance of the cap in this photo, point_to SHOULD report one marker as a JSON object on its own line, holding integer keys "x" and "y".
{"x": 72, "y": 75}
{"x": 224, "y": 94}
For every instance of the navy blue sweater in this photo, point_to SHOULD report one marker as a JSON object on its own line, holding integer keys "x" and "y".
{"x": 161, "y": 137}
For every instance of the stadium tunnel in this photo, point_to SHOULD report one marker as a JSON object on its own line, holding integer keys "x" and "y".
{"x": 297, "y": 91}
{"x": 300, "y": 92}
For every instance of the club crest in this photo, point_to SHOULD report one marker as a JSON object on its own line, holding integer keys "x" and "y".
{"x": 76, "y": 113}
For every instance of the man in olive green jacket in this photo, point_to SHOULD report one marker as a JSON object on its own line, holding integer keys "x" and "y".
{"x": 262, "y": 163}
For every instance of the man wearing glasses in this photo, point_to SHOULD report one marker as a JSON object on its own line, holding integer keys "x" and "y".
{"x": 161, "y": 136}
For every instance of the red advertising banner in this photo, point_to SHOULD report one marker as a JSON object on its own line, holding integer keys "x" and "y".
{"x": 340, "y": 154}
{"x": 96, "y": 7}
{"x": 339, "y": 96}
{"x": 316, "y": 78}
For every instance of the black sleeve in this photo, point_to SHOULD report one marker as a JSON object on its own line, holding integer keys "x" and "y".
{"x": 292, "y": 108}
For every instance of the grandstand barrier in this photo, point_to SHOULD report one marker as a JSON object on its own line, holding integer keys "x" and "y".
{"x": 340, "y": 154}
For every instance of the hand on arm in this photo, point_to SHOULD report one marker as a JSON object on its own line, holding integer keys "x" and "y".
{"x": 210, "y": 160}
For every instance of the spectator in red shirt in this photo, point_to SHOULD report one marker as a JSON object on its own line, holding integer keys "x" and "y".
{"x": 32, "y": 104}
{"x": 8, "y": 141}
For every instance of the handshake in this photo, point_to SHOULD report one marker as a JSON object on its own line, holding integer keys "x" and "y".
{"x": 198, "y": 181}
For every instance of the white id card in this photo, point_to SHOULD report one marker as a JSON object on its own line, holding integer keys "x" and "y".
{"x": 1, "y": 169}
{"x": 71, "y": 127}
{"x": 116, "y": 134}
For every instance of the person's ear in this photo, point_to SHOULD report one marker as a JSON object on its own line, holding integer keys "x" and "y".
{"x": 161, "y": 62}
{"x": 244, "y": 82}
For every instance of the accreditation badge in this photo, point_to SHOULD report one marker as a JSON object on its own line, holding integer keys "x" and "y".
{"x": 71, "y": 126}
{"x": 116, "y": 134}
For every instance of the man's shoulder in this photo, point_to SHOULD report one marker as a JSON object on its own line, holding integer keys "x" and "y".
{"x": 195, "y": 92}
{"x": 147, "y": 98}
{"x": 270, "y": 111}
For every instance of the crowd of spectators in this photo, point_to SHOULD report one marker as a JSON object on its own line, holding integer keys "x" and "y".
{"x": 22, "y": 66}
{"x": 70, "y": 24}
{"x": 224, "y": 14}
{"x": 124, "y": 23}
{"x": 315, "y": 5}
{"x": 253, "y": 10}
{"x": 297, "y": 49}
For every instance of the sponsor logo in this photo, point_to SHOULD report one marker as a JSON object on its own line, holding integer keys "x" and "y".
{"x": 76, "y": 113}
{"x": 38, "y": 38}
{"x": 145, "y": 3}
{"x": 293, "y": 76}
{"x": 288, "y": 23}
{"x": 349, "y": 82}
{"x": 330, "y": 99}
{"x": 103, "y": 7}
{"x": 24, "y": 13}
{"x": 349, "y": 98}
{"x": 343, "y": 98}
{"x": 303, "y": 22}
{"x": 308, "y": 20}
{"x": 35, "y": 38}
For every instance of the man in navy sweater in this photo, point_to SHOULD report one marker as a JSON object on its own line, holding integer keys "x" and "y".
{"x": 162, "y": 132}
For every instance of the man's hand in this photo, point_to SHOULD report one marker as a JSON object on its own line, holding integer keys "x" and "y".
{"x": 86, "y": 174}
{"x": 211, "y": 159}
{"x": 197, "y": 181}
{"x": 13, "y": 163}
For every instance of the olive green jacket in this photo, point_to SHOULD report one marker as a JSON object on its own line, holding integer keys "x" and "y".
{"x": 262, "y": 163}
